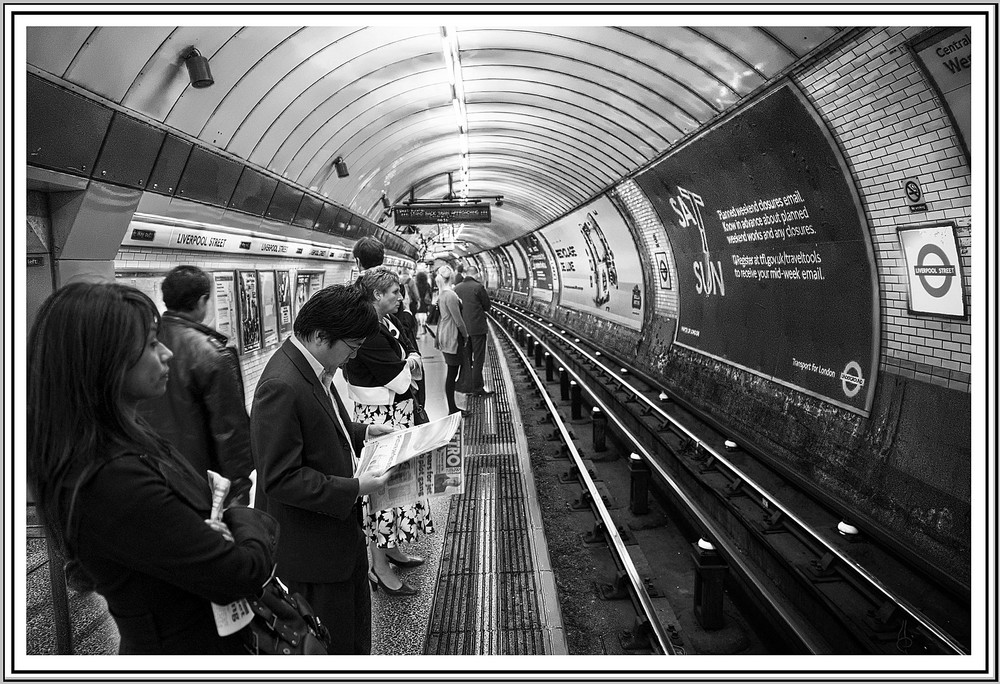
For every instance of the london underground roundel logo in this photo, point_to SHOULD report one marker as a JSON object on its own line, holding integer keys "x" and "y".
{"x": 851, "y": 379}
{"x": 944, "y": 269}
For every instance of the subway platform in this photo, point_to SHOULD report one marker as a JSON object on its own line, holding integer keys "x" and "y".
{"x": 487, "y": 586}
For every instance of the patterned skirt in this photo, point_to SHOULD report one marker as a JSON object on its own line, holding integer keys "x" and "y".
{"x": 393, "y": 526}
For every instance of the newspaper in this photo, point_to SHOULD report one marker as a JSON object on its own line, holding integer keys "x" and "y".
{"x": 427, "y": 460}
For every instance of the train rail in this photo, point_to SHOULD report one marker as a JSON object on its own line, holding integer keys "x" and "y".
{"x": 825, "y": 592}
{"x": 660, "y": 637}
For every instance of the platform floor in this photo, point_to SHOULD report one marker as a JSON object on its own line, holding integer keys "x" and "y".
{"x": 487, "y": 587}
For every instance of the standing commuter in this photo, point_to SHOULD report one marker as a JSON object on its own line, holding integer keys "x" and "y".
{"x": 304, "y": 444}
{"x": 475, "y": 304}
{"x": 368, "y": 253}
{"x": 126, "y": 511}
{"x": 459, "y": 274}
{"x": 452, "y": 335}
{"x": 203, "y": 412}
{"x": 382, "y": 381}
{"x": 425, "y": 295}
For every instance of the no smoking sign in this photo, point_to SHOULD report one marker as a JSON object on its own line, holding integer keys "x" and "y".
{"x": 914, "y": 195}
{"x": 933, "y": 270}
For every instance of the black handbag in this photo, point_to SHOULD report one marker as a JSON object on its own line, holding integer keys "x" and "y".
{"x": 434, "y": 315}
{"x": 283, "y": 624}
{"x": 420, "y": 416}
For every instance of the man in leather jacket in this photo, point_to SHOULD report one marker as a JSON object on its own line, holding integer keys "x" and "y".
{"x": 203, "y": 412}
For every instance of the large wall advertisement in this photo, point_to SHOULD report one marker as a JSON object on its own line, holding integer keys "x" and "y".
{"x": 539, "y": 257}
{"x": 520, "y": 265}
{"x": 506, "y": 270}
{"x": 598, "y": 263}
{"x": 773, "y": 258}
{"x": 490, "y": 272}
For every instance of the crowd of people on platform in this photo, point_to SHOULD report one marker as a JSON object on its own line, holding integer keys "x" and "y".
{"x": 128, "y": 409}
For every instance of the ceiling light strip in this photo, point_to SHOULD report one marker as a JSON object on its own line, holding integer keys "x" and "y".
{"x": 453, "y": 64}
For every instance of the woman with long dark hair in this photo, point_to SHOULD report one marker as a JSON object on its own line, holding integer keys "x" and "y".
{"x": 127, "y": 512}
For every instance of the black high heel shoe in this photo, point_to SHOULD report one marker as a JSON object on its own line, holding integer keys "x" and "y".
{"x": 410, "y": 562}
{"x": 376, "y": 582}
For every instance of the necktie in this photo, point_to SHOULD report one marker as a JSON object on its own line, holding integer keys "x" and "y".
{"x": 327, "y": 380}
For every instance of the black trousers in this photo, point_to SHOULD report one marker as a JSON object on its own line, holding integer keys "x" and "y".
{"x": 344, "y": 607}
{"x": 477, "y": 347}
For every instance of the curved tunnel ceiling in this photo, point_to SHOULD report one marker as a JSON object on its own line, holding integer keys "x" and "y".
{"x": 555, "y": 114}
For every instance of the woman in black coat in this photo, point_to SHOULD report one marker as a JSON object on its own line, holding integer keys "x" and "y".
{"x": 127, "y": 512}
{"x": 382, "y": 379}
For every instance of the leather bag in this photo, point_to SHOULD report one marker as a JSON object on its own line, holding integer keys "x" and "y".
{"x": 283, "y": 624}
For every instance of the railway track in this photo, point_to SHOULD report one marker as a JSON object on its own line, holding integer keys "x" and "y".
{"x": 788, "y": 558}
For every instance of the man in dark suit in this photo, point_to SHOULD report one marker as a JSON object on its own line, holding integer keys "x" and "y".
{"x": 304, "y": 444}
{"x": 475, "y": 304}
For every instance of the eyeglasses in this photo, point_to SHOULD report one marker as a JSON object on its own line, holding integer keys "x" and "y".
{"x": 354, "y": 347}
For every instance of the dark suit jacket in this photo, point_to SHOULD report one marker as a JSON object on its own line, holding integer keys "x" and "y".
{"x": 475, "y": 304}
{"x": 138, "y": 530}
{"x": 305, "y": 470}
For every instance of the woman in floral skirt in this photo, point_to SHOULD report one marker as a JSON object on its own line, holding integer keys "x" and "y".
{"x": 381, "y": 380}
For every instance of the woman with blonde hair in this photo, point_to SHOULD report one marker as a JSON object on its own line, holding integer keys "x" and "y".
{"x": 452, "y": 335}
{"x": 382, "y": 380}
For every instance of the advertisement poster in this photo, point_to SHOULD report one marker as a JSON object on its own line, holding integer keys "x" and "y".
{"x": 147, "y": 283}
{"x": 488, "y": 269}
{"x": 933, "y": 270}
{"x": 506, "y": 270}
{"x": 540, "y": 263}
{"x": 250, "y": 328}
{"x": 598, "y": 263}
{"x": 306, "y": 284}
{"x": 774, "y": 262}
{"x": 268, "y": 307}
{"x": 222, "y": 314}
{"x": 283, "y": 280}
{"x": 520, "y": 266}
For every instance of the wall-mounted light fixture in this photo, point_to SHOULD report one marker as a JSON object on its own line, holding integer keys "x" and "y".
{"x": 197, "y": 66}
{"x": 341, "y": 167}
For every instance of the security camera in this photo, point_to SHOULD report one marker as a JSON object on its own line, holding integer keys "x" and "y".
{"x": 499, "y": 201}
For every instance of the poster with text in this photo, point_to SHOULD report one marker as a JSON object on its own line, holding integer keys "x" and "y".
{"x": 147, "y": 283}
{"x": 250, "y": 329}
{"x": 598, "y": 263}
{"x": 520, "y": 266}
{"x": 506, "y": 270}
{"x": 222, "y": 316}
{"x": 268, "y": 307}
{"x": 540, "y": 266}
{"x": 774, "y": 262}
{"x": 307, "y": 283}
{"x": 283, "y": 282}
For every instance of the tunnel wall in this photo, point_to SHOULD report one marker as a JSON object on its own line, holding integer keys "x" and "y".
{"x": 906, "y": 466}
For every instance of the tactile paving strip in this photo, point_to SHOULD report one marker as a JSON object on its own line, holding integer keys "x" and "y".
{"x": 486, "y": 601}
